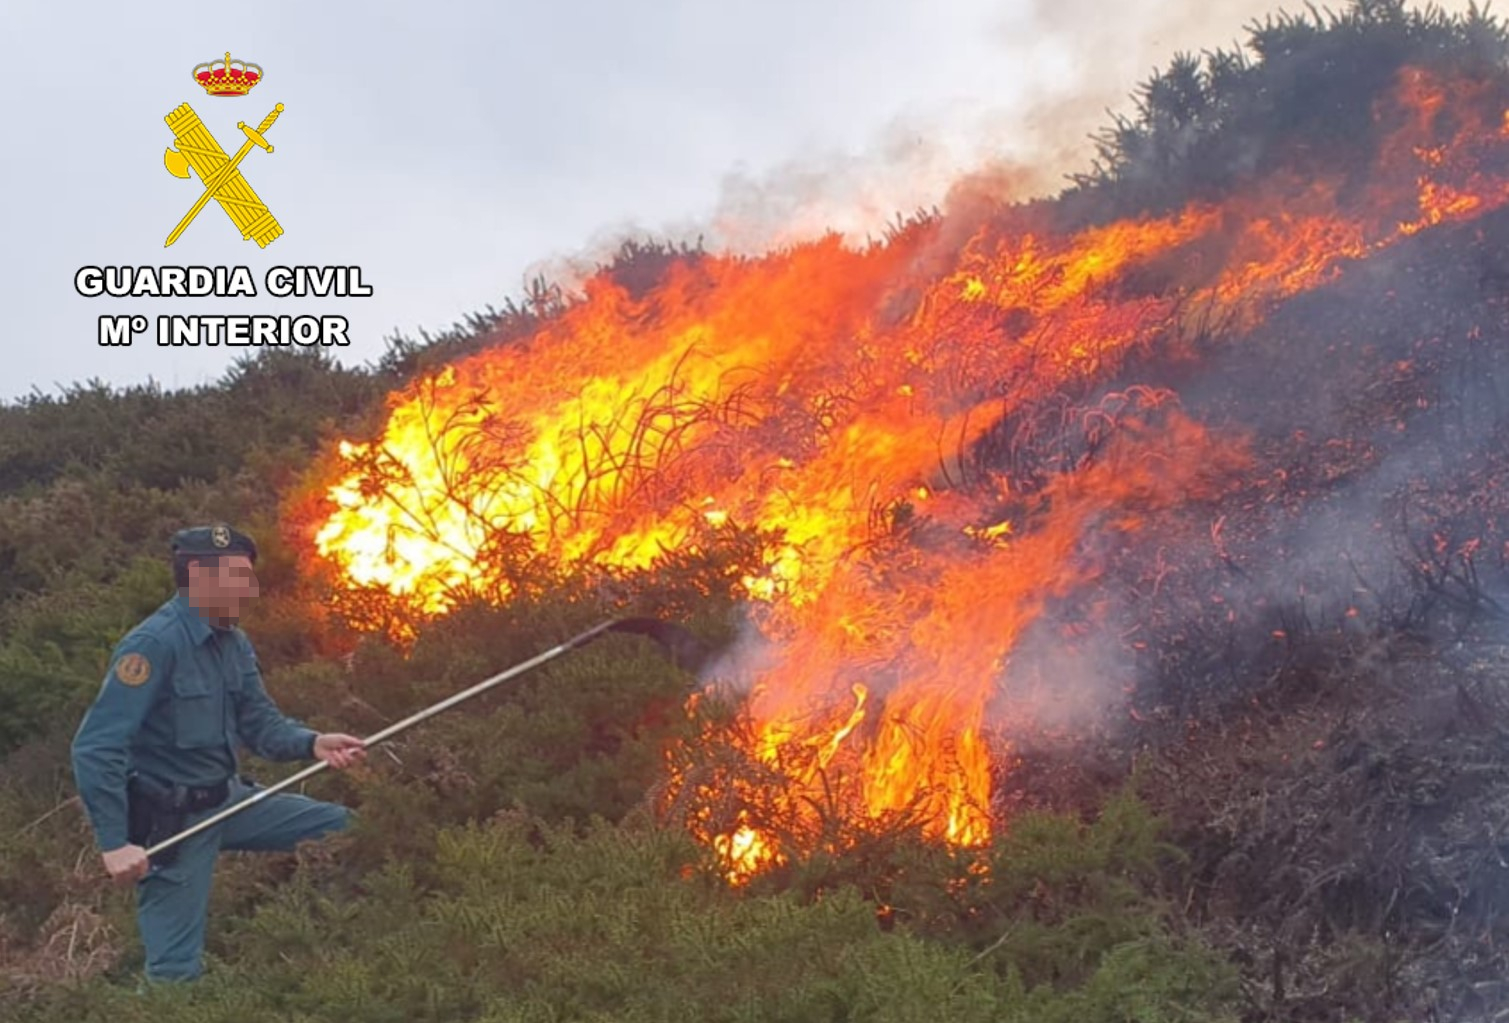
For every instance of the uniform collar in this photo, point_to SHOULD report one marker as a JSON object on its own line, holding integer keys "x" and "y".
{"x": 199, "y": 627}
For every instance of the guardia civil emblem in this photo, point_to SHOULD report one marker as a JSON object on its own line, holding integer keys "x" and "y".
{"x": 133, "y": 669}
{"x": 197, "y": 151}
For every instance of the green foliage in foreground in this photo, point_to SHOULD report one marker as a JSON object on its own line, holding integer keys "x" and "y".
{"x": 472, "y": 889}
{"x": 515, "y": 920}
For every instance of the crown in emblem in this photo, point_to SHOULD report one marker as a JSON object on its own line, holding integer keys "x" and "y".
{"x": 228, "y": 77}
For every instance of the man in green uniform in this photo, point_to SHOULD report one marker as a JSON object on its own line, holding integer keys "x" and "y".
{"x": 157, "y": 752}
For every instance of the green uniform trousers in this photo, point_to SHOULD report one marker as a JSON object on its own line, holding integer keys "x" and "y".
{"x": 172, "y": 901}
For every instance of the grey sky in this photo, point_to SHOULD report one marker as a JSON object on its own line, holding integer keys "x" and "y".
{"x": 452, "y": 149}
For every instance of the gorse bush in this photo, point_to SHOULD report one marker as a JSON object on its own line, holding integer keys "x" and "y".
{"x": 1303, "y": 90}
{"x": 516, "y": 918}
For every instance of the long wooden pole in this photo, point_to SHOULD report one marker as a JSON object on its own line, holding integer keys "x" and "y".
{"x": 406, "y": 723}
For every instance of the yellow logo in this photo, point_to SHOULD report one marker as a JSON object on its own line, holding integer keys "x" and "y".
{"x": 133, "y": 669}
{"x": 198, "y": 151}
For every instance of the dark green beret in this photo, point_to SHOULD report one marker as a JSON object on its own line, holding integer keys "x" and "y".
{"x": 212, "y": 540}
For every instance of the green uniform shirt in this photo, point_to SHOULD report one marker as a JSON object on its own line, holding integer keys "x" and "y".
{"x": 180, "y": 696}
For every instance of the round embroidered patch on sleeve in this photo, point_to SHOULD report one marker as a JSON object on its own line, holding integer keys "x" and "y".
{"x": 133, "y": 669}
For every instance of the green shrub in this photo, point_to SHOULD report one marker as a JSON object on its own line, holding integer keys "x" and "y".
{"x": 521, "y": 919}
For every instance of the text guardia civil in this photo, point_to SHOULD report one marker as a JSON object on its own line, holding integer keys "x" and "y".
{"x": 223, "y": 282}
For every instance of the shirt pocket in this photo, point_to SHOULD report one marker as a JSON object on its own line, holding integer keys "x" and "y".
{"x": 196, "y": 713}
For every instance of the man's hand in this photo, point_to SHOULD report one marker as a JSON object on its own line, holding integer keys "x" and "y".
{"x": 339, "y": 751}
{"x": 127, "y": 864}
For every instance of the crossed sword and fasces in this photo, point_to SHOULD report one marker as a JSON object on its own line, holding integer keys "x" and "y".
{"x": 223, "y": 183}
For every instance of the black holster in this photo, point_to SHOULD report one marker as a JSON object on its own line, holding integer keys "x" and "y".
{"x": 156, "y": 811}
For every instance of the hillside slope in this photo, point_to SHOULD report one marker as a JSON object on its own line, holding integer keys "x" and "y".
{"x": 1113, "y": 587}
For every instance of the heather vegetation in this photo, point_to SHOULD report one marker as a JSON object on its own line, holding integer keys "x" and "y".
{"x": 1305, "y": 822}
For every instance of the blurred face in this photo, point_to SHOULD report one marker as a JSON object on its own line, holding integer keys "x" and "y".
{"x": 222, "y": 588}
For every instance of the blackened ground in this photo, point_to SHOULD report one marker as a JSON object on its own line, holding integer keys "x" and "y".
{"x": 1312, "y": 676}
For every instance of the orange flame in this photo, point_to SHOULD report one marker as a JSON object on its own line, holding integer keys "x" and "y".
{"x": 831, "y": 396}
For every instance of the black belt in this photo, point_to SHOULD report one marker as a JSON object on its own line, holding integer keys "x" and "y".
{"x": 157, "y": 811}
{"x": 192, "y": 798}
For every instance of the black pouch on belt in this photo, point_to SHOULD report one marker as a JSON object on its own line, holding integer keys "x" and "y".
{"x": 154, "y": 812}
